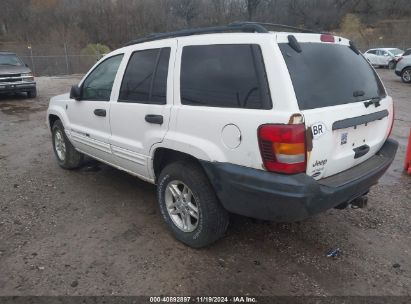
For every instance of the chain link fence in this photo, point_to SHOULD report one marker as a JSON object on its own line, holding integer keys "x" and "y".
{"x": 52, "y": 59}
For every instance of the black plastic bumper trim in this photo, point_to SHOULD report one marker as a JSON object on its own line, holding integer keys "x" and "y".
{"x": 287, "y": 198}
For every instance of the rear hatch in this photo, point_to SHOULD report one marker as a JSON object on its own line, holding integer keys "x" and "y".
{"x": 347, "y": 112}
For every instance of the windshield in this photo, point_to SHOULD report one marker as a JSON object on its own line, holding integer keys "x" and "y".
{"x": 396, "y": 52}
{"x": 326, "y": 75}
{"x": 9, "y": 59}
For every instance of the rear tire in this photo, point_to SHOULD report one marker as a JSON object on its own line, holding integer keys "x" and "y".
{"x": 67, "y": 156}
{"x": 406, "y": 75}
{"x": 32, "y": 93}
{"x": 183, "y": 190}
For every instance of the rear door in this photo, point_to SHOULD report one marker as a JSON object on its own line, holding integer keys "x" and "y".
{"x": 140, "y": 116}
{"x": 347, "y": 112}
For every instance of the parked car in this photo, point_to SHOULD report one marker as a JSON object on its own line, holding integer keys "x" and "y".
{"x": 15, "y": 76}
{"x": 271, "y": 125}
{"x": 407, "y": 53}
{"x": 403, "y": 69}
{"x": 384, "y": 57}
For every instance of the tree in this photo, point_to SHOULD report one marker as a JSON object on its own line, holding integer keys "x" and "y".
{"x": 186, "y": 9}
{"x": 252, "y": 6}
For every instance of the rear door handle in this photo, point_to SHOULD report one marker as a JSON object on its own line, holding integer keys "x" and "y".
{"x": 155, "y": 119}
{"x": 361, "y": 151}
{"x": 100, "y": 112}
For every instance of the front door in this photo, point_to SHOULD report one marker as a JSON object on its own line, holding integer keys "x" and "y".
{"x": 140, "y": 117}
{"x": 89, "y": 116}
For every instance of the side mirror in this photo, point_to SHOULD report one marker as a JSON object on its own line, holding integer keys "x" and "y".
{"x": 386, "y": 55}
{"x": 26, "y": 65}
{"x": 75, "y": 92}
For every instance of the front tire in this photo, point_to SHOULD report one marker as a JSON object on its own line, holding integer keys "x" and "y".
{"x": 189, "y": 205}
{"x": 67, "y": 156}
{"x": 406, "y": 75}
{"x": 391, "y": 65}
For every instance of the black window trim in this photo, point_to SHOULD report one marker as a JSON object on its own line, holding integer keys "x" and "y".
{"x": 149, "y": 102}
{"x": 91, "y": 72}
{"x": 266, "y": 104}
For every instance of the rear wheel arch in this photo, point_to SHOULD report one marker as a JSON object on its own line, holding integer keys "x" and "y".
{"x": 165, "y": 156}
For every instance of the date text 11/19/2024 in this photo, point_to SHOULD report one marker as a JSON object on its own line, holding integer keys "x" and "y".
{"x": 203, "y": 299}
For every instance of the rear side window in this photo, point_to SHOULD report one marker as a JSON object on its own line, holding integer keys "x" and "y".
{"x": 145, "y": 79}
{"x": 374, "y": 52}
{"x": 327, "y": 75}
{"x": 230, "y": 76}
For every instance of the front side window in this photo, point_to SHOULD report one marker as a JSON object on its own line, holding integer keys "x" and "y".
{"x": 99, "y": 83}
{"x": 145, "y": 79}
{"x": 230, "y": 76}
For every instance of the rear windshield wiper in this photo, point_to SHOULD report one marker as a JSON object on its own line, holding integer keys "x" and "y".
{"x": 373, "y": 101}
{"x": 358, "y": 93}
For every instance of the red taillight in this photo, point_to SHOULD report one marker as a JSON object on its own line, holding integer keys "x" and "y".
{"x": 327, "y": 38}
{"x": 283, "y": 148}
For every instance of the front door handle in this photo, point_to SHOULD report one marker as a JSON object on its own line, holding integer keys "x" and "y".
{"x": 100, "y": 112}
{"x": 361, "y": 151}
{"x": 155, "y": 119}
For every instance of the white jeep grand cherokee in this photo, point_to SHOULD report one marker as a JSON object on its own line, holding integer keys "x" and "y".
{"x": 272, "y": 125}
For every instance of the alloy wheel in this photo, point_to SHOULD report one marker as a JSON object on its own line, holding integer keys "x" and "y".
{"x": 181, "y": 206}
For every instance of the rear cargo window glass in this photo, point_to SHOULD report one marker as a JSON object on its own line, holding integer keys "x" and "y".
{"x": 327, "y": 75}
{"x": 230, "y": 76}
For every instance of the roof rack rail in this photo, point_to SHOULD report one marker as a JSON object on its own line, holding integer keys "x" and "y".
{"x": 276, "y": 25}
{"x": 239, "y": 27}
{"x": 247, "y": 27}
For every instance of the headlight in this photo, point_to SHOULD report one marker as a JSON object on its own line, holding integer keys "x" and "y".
{"x": 27, "y": 76}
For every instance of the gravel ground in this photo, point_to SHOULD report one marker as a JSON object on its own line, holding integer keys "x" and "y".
{"x": 97, "y": 231}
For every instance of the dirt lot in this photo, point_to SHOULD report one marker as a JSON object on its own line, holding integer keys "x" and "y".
{"x": 97, "y": 231}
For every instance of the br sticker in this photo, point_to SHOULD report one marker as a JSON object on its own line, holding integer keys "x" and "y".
{"x": 318, "y": 129}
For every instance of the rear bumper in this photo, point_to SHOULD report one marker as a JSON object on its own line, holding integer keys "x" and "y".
{"x": 17, "y": 87}
{"x": 287, "y": 198}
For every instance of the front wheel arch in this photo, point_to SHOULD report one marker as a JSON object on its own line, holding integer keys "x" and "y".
{"x": 52, "y": 119}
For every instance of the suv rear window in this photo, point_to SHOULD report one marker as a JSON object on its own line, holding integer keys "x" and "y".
{"x": 327, "y": 75}
{"x": 229, "y": 76}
